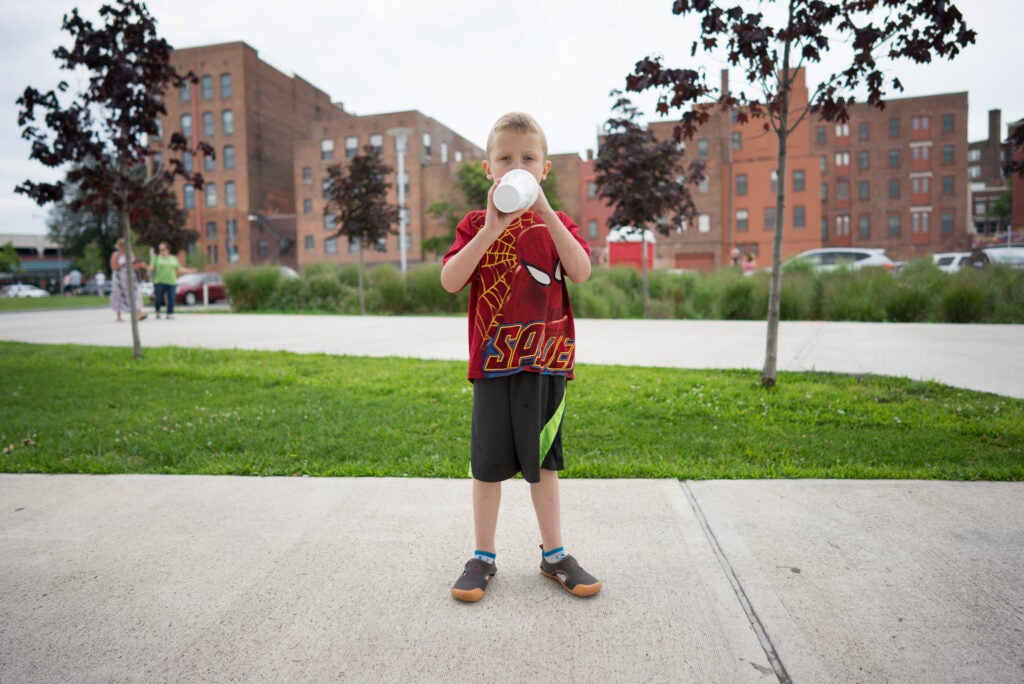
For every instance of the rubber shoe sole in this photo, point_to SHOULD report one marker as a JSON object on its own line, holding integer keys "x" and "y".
{"x": 472, "y": 584}
{"x": 567, "y": 571}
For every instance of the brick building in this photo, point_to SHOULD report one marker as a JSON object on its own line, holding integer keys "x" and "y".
{"x": 987, "y": 182}
{"x": 274, "y": 136}
{"x": 1017, "y": 186}
{"x": 432, "y": 157}
{"x": 893, "y": 178}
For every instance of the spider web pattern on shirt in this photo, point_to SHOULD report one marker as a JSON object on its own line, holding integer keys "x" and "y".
{"x": 496, "y": 268}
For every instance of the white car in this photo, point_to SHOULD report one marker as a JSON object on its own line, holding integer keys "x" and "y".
{"x": 950, "y": 262}
{"x": 24, "y": 290}
{"x": 831, "y": 258}
{"x": 1005, "y": 256}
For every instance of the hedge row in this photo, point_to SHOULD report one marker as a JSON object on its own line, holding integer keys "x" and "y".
{"x": 919, "y": 293}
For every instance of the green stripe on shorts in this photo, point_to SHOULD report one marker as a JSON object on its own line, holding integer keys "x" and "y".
{"x": 550, "y": 431}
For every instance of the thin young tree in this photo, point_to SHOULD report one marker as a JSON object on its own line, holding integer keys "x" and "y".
{"x": 102, "y": 132}
{"x": 878, "y": 32}
{"x": 645, "y": 180}
{"x": 357, "y": 199}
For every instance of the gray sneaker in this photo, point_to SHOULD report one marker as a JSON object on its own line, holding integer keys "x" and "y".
{"x": 472, "y": 584}
{"x": 570, "y": 575}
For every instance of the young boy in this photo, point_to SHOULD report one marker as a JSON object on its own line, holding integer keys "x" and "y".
{"x": 521, "y": 352}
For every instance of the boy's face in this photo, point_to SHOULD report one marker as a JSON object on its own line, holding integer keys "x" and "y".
{"x": 515, "y": 150}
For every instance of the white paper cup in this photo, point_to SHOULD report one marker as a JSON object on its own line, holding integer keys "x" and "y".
{"x": 518, "y": 190}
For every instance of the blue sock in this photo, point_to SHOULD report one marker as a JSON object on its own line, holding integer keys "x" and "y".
{"x": 555, "y": 555}
{"x": 485, "y": 556}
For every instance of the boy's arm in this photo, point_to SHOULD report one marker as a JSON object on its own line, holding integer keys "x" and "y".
{"x": 457, "y": 271}
{"x": 575, "y": 260}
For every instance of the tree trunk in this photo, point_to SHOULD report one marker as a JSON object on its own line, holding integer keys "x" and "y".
{"x": 126, "y": 233}
{"x": 362, "y": 295}
{"x": 771, "y": 355}
{"x": 643, "y": 273}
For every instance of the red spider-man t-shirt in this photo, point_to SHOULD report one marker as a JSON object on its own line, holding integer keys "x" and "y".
{"x": 520, "y": 318}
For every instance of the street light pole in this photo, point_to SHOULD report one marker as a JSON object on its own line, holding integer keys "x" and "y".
{"x": 401, "y": 149}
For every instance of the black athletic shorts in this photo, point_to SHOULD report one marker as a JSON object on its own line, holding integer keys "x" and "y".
{"x": 517, "y": 424}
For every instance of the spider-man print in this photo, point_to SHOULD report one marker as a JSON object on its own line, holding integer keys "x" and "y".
{"x": 520, "y": 315}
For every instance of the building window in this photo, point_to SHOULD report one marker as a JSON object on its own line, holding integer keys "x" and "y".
{"x": 351, "y": 146}
{"x": 863, "y": 160}
{"x": 206, "y": 85}
{"x": 769, "y": 218}
{"x": 592, "y": 229}
{"x": 159, "y": 132}
{"x": 842, "y": 225}
{"x": 974, "y": 172}
{"x": 824, "y": 191}
{"x": 894, "y": 159}
{"x": 947, "y": 222}
{"x": 823, "y": 163}
{"x": 185, "y": 91}
{"x": 444, "y": 153}
{"x": 227, "y": 121}
{"x": 737, "y": 140}
{"x": 702, "y": 148}
{"x": 842, "y": 189}
{"x": 186, "y": 125}
{"x": 330, "y": 221}
{"x": 894, "y": 225}
{"x": 862, "y": 130}
{"x": 894, "y": 127}
{"x": 863, "y": 190}
{"x": 742, "y": 221}
{"x": 307, "y": 206}
{"x": 864, "y": 229}
{"x": 377, "y": 142}
{"x": 773, "y": 180}
{"x": 921, "y": 185}
{"x": 209, "y": 163}
{"x": 190, "y": 197}
{"x": 919, "y": 222}
{"x": 354, "y": 246}
{"x": 211, "y": 194}
{"x": 591, "y": 189}
{"x": 325, "y": 188}
{"x": 703, "y": 223}
{"x": 741, "y": 184}
{"x": 819, "y": 135}
{"x": 947, "y": 154}
{"x": 947, "y": 123}
{"x": 310, "y": 243}
{"x": 262, "y": 248}
{"x": 921, "y": 123}
{"x": 213, "y": 254}
{"x": 229, "y": 194}
{"x": 426, "y": 144}
{"x": 799, "y": 216}
{"x": 921, "y": 152}
{"x": 225, "y": 85}
{"x": 207, "y": 124}
{"x": 894, "y": 188}
{"x": 331, "y": 245}
{"x": 824, "y": 228}
{"x": 842, "y": 158}
{"x": 702, "y": 186}
{"x": 974, "y": 155}
{"x": 326, "y": 149}
{"x": 211, "y": 230}
{"x": 307, "y": 174}
{"x": 798, "y": 181}
{"x": 947, "y": 185}
{"x": 843, "y": 130}
{"x": 229, "y": 156}
{"x": 188, "y": 161}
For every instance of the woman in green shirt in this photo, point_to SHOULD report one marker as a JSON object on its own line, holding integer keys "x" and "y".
{"x": 165, "y": 270}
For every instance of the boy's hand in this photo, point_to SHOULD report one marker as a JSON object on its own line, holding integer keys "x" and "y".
{"x": 496, "y": 220}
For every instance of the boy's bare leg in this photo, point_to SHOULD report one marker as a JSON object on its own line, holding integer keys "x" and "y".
{"x": 486, "y": 502}
{"x": 547, "y": 506}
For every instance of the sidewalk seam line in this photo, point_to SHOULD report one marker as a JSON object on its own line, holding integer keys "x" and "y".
{"x": 755, "y": 622}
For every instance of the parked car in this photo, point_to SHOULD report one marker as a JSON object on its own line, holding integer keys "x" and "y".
{"x": 91, "y": 288}
{"x": 24, "y": 290}
{"x": 1006, "y": 256}
{"x": 831, "y": 258}
{"x": 950, "y": 262}
{"x": 190, "y": 288}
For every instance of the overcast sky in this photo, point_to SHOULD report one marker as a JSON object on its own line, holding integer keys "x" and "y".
{"x": 462, "y": 62}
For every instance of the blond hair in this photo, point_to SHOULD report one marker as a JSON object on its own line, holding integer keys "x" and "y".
{"x": 517, "y": 122}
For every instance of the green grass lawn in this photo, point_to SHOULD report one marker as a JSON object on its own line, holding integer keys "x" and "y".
{"x": 67, "y": 408}
{"x": 52, "y": 302}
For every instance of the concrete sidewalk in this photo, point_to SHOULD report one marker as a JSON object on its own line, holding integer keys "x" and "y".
{"x": 187, "y": 579}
